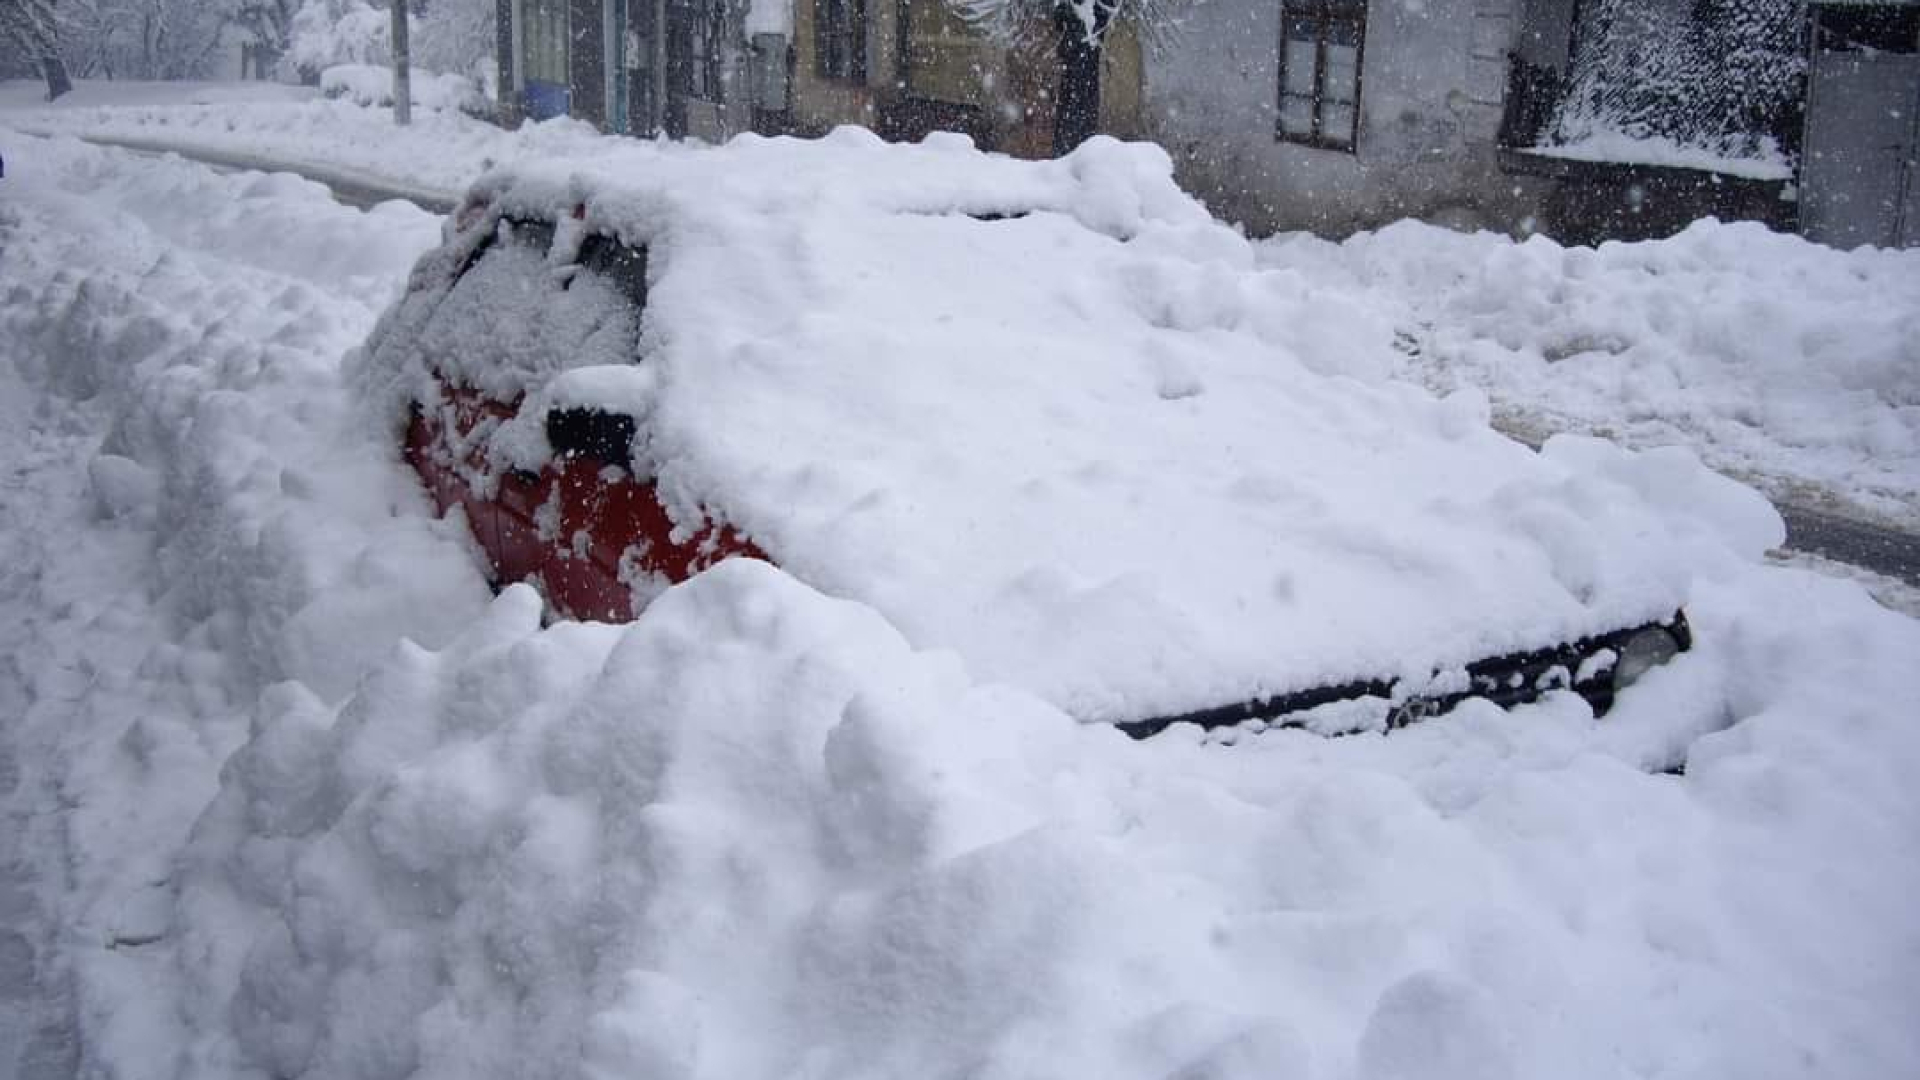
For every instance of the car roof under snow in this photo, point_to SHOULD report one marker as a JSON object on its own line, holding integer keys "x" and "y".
{"x": 1091, "y": 445}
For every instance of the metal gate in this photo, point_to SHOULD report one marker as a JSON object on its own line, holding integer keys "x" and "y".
{"x": 1858, "y": 182}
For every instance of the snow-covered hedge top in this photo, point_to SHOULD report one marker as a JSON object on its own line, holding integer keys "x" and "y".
{"x": 1095, "y": 449}
{"x": 372, "y": 85}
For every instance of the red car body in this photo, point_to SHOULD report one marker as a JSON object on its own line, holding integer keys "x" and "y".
{"x": 604, "y": 530}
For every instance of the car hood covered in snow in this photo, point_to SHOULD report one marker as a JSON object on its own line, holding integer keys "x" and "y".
{"x": 1055, "y": 418}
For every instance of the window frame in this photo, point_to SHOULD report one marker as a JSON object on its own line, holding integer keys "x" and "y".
{"x": 621, "y": 265}
{"x": 544, "y": 57}
{"x": 698, "y": 73}
{"x": 711, "y": 41}
{"x": 1324, "y": 22}
{"x": 841, "y": 23}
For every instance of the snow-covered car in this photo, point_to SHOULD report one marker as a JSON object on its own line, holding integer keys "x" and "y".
{"x": 1050, "y": 416}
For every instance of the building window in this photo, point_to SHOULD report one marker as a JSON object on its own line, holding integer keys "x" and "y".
{"x": 840, "y": 39}
{"x": 544, "y": 26}
{"x": 706, "y": 59}
{"x": 1320, "y": 48}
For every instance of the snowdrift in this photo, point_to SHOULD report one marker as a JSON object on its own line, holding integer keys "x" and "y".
{"x": 371, "y": 86}
{"x": 1050, "y": 416}
{"x": 755, "y": 835}
{"x": 1792, "y": 365}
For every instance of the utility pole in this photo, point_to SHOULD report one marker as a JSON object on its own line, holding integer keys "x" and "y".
{"x": 402, "y": 67}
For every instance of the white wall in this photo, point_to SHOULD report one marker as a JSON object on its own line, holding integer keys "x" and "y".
{"x": 1433, "y": 77}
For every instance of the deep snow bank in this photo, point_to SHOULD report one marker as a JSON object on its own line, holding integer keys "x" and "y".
{"x": 193, "y": 511}
{"x": 754, "y": 835}
{"x": 1782, "y": 361}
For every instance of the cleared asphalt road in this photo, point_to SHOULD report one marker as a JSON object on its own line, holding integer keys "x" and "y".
{"x": 1869, "y": 545}
{"x": 1891, "y": 552}
{"x": 1885, "y": 551}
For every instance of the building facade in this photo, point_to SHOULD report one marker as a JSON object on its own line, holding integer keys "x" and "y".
{"x": 1585, "y": 119}
{"x": 1334, "y": 115}
{"x": 685, "y": 68}
{"x": 711, "y": 69}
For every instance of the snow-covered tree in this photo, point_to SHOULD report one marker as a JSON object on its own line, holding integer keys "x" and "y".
{"x": 446, "y": 36}
{"x": 134, "y": 39}
{"x": 1076, "y": 30}
{"x": 1010, "y": 20}
{"x": 30, "y": 40}
{"x": 329, "y": 32}
{"x": 456, "y": 37}
{"x": 268, "y": 22}
{"x": 141, "y": 39}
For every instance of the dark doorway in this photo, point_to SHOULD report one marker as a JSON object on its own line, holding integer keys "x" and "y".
{"x": 1077, "y": 98}
{"x": 680, "y": 68}
{"x": 1857, "y": 172}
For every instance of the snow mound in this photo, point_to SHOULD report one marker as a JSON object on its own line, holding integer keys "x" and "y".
{"x": 371, "y": 85}
{"x": 606, "y": 840}
{"x": 754, "y": 834}
{"x": 1784, "y": 362}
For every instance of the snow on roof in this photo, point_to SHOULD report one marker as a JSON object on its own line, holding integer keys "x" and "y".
{"x": 1765, "y": 161}
{"x": 769, "y": 17}
{"x": 1666, "y": 81}
{"x": 1094, "y": 449}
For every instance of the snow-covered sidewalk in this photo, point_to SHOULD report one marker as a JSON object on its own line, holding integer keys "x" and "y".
{"x": 438, "y": 155}
{"x": 290, "y": 794}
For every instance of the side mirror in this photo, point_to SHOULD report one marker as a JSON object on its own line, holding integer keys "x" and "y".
{"x": 594, "y": 434}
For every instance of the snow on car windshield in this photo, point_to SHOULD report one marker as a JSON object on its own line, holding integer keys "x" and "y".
{"x": 514, "y": 319}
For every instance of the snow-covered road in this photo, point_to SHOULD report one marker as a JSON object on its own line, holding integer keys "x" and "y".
{"x": 286, "y": 792}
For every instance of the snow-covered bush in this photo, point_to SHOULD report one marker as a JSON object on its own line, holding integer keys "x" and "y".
{"x": 331, "y": 32}
{"x": 457, "y": 37}
{"x": 453, "y": 36}
{"x": 141, "y": 39}
{"x": 372, "y": 85}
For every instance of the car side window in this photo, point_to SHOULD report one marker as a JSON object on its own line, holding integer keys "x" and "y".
{"x": 512, "y": 320}
{"x": 595, "y": 434}
{"x": 623, "y": 267}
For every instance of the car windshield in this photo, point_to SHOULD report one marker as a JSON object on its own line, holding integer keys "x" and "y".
{"x": 514, "y": 319}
